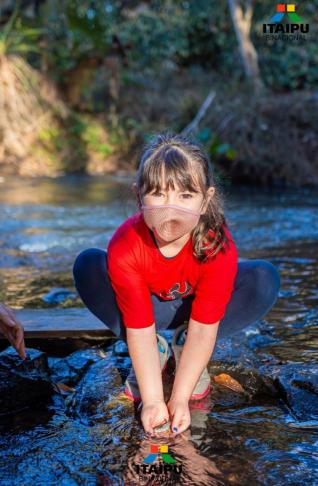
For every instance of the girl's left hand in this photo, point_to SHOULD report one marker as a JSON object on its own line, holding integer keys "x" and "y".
{"x": 179, "y": 415}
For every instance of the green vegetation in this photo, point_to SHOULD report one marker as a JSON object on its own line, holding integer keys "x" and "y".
{"x": 101, "y": 76}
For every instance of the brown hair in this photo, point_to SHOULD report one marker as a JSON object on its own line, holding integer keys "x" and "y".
{"x": 181, "y": 157}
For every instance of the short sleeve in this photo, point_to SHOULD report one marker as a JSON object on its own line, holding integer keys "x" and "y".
{"x": 132, "y": 293}
{"x": 214, "y": 288}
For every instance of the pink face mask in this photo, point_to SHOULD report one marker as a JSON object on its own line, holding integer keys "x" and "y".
{"x": 169, "y": 221}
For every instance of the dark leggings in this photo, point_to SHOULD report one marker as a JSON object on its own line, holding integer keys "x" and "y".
{"x": 255, "y": 291}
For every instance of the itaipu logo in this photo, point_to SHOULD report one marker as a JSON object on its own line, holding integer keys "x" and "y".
{"x": 286, "y": 24}
{"x": 167, "y": 466}
{"x": 163, "y": 450}
{"x": 282, "y": 10}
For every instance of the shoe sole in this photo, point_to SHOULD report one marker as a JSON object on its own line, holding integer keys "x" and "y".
{"x": 138, "y": 399}
{"x": 199, "y": 396}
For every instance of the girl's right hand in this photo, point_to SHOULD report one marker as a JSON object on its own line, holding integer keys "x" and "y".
{"x": 153, "y": 414}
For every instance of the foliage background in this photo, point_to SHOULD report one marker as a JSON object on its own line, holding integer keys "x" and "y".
{"x": 119, "y": 71}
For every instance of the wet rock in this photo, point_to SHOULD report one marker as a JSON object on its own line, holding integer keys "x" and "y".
{"x": 120, "y": 348}
{"x": 297, "y": 384}
{"x": 58, "y": 295}
{"x": 69, "y": 370}
{"x": 251, "y": 380}
{"x": 245, "y": 347}
{"x": 234, "y": 357}
{"x": 233, "y": 351}
{"x": 23, "y": 383}
{"x": 97, "y": 390}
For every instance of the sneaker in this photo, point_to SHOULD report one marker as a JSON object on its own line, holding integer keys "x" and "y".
{"x": 203, "y": 386}
{"x": 131, "y": 385}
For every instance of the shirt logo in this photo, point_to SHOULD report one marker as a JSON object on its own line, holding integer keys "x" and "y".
{"x": 176, "y": 291}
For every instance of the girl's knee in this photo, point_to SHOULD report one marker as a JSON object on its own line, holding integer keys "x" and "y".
{"x": 267, "y": 278}
{"x": 87, "y": 263}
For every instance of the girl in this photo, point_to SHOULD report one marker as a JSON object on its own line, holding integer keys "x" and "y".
{"x": 173, "y": 265}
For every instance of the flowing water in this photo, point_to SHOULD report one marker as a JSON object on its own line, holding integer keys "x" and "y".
{"x": 92, "y": 435}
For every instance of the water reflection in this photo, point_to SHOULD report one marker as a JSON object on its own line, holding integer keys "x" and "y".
{"x": 190, "y": 467}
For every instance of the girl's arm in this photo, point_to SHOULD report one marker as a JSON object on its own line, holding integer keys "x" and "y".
{"x": 196, "y": 353}
{"x": 144, "y": 354}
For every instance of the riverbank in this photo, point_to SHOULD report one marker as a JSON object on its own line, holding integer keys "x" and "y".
{"x": 268, "y": 140}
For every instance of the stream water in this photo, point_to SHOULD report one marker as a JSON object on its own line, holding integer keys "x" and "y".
{"x": 90, "y": 434}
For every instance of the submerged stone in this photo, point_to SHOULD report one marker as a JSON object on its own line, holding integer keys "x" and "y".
{"x": 98, "y": 390}
{"x": 69, "y": 370}
{"x": 297, "y": 384}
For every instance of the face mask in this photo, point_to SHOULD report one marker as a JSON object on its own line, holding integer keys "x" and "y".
{"x": 169, "y": 221}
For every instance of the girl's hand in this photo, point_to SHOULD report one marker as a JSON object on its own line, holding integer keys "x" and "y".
{"x": 154, "y": 413}
{"x": 12, "y": 329}
{"x": 179, "y": 415}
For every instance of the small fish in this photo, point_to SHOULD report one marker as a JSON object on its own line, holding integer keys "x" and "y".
{"x": 229, "y": 382}
{"x": 163, "y": 427}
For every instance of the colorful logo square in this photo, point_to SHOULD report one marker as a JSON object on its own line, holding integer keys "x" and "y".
{"x": 164, "y": 448}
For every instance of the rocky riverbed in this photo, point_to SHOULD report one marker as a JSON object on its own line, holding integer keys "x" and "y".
{"x": 64, "y": 418}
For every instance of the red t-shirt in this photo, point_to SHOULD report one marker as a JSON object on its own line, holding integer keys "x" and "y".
{"x": 138, "y": 269}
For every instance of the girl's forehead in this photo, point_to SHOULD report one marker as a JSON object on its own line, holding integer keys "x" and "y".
{"x": 178, "y": 180}
{"x": 175, "y": 187}
{"x": 172, "y": 184}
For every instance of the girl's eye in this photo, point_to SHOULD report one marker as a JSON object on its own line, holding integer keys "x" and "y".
{"x": 185, "y": 196}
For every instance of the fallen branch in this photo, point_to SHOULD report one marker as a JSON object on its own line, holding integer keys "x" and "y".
{"x": 193, "y": 126}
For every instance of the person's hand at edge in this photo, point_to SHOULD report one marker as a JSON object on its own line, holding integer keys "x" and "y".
{"x": 12, "y": 330}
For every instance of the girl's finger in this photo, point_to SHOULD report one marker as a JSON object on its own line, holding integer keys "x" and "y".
{"x": 147, "y": 426}
{"x": 183, "y": 426}
{"x": 176, "y": 422}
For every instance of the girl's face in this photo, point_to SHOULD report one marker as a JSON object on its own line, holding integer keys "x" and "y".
{"x": 171, "y": 224}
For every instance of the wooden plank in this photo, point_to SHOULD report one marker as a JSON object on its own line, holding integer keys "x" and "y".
{"x": 61, "y": 323}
